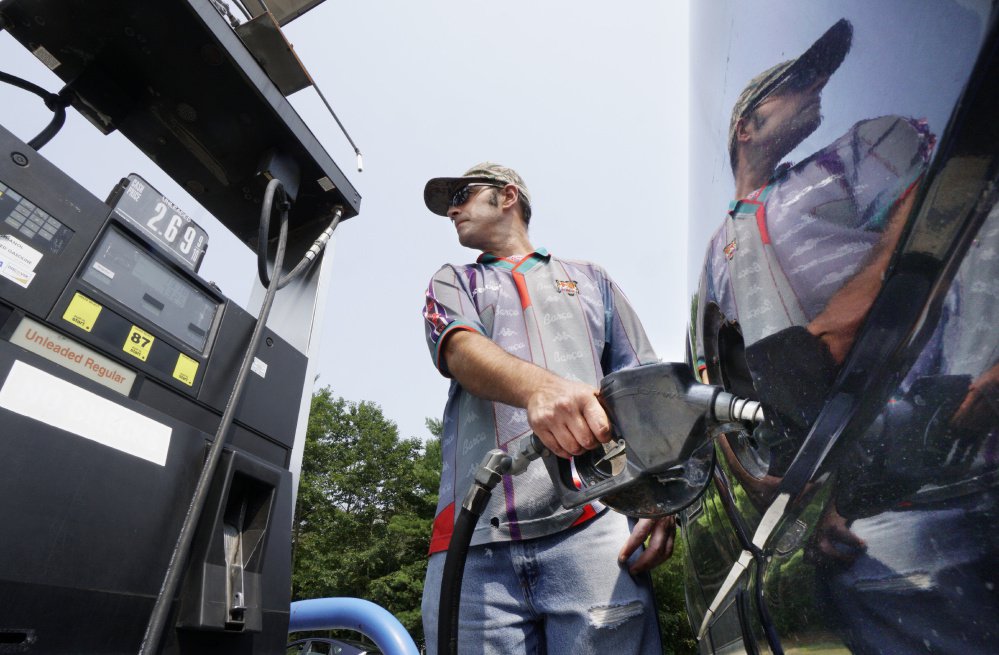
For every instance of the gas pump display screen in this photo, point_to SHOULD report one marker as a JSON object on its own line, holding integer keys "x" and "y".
{"x": 130, "y": 275}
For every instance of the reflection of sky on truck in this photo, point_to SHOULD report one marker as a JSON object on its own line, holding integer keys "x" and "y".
{"x": 914, "y": 67}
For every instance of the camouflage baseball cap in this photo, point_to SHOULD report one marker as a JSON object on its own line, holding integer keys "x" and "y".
{"x": 439, "y": 191}
{"x": 821, "y": 59}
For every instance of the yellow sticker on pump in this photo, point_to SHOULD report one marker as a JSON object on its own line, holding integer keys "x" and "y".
{"x": 82, "y": 312}
{"x": 186, "y": 369}
{"x": 138, "y": 343}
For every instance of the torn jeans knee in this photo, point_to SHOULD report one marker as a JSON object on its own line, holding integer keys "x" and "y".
{"x": 613, "y": 616}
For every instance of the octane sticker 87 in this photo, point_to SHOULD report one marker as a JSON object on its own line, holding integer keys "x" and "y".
{"x": 138, "y": 343}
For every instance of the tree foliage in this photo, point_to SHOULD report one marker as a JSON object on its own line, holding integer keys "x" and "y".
{"x": 674, "y": 626}
{"x": 365, "y": 507}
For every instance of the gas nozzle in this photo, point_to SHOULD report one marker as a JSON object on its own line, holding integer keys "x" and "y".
{"x": 661, "y": 461}
{"x": 496, "y": 464}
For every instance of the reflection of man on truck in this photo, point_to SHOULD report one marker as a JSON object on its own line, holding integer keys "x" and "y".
{"x": 803, "y": 244}
{"x": 800, "y": 256}
{"x": 897, "y": 553}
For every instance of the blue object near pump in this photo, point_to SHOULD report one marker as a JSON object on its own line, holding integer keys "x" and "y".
{"x": 374, "y": 621}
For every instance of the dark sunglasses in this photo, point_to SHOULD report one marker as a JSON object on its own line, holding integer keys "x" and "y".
{"x": 461, "y": 196}
{"x": 802, "y": 79}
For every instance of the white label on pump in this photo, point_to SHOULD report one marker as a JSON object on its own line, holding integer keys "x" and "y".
{"x": 17, "y": 260}
{"x": 44, "y": 397}
{"x": 14, "y": 273}
{"x": 104, "y": 270}
{"x": 46, "y": 57}
{"x": 259, "y": 367}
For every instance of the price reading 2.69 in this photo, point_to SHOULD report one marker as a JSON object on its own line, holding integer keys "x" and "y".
{"x": 171, "y": 229}
{"x": 157, "y": 216}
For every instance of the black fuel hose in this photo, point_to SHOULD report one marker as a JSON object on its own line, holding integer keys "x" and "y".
{"x": 178, "y": 558}
{"x": 490, "y": 472}
{"x": 494, "y": 466}
{"x": 310, "y": 256}
{"x": 454, "y": 569}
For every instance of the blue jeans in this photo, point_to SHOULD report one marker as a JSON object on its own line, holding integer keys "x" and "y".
{"x": 564, "y": 593}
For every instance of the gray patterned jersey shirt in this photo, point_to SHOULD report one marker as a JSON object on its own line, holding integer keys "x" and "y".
{"x": 566, "y": 316}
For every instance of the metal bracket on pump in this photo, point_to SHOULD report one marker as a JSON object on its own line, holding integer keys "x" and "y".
{"x": 662, "y": 458}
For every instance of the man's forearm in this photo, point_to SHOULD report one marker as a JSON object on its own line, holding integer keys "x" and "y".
{"x": 838, "y": 323}
{"x": 487, "y": 371}
{"x": 564, "y": 414}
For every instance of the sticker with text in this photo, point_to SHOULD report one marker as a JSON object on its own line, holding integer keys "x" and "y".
{"x": 186, "y": 369}
{"x": 82, "y": 312}
{"x": 138, "y": 343}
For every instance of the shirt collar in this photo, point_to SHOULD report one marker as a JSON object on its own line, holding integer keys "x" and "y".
{"x": 757, "y": 195}
{"x": 490, "y": 259}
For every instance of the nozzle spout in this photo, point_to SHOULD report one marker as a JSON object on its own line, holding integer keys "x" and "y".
{"x": 733, "y": 408}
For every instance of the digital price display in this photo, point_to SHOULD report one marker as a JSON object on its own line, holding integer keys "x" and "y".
{"x": 126, "y": 272}
{"x": 153, "y": 213}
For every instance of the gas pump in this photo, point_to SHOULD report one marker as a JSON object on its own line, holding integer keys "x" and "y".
{"x": 151, "y": 429}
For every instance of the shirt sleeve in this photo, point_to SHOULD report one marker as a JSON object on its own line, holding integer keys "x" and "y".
{"x": 626, "y": 345}
{"x": 713, "y": 290}
{"x": 889, "y": 155}
{"x": 703, "y": 297}
{"x": 448, "y": 308}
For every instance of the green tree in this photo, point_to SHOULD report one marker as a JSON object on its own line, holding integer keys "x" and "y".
{"x": 365, "y": 507}
{"x": 674, "y": 626}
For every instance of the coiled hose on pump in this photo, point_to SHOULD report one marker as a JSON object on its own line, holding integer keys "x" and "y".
{"x": 274, "y": 195}
{"x": 57, "y": 102}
